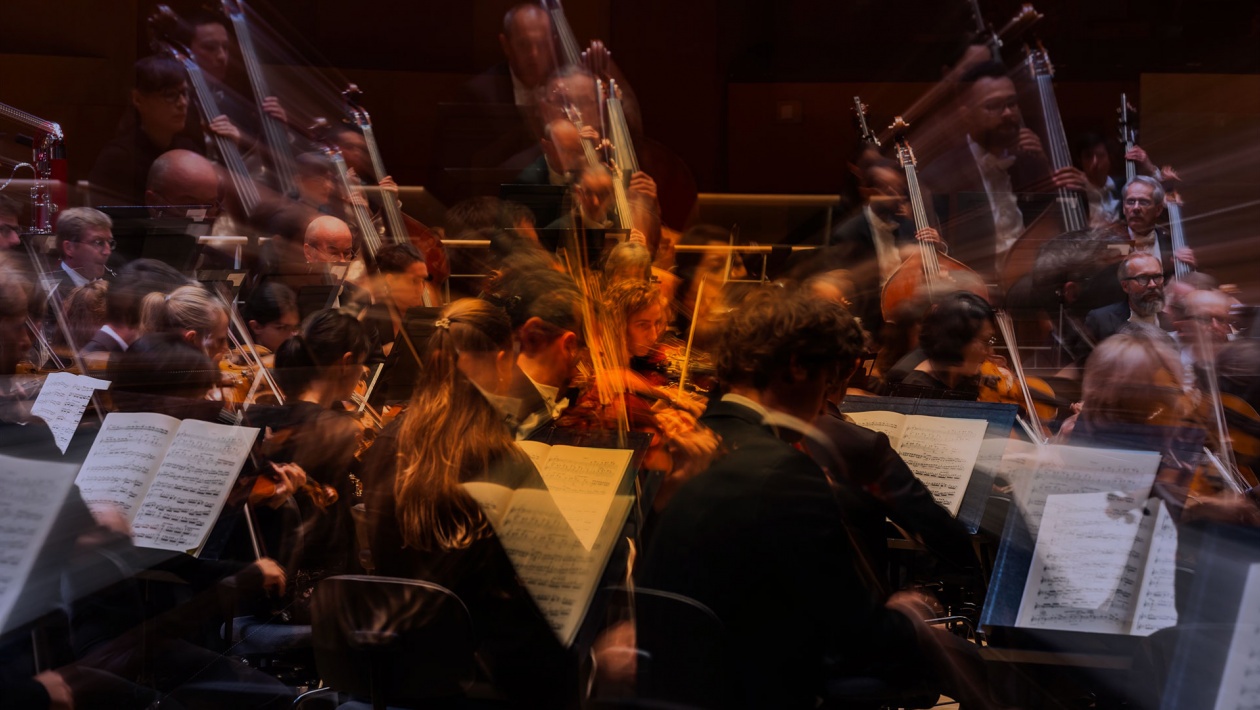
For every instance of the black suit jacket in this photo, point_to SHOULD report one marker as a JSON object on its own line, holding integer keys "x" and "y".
{"x": 1105, "y": 322}
{"x": 961, "y": 204}
{"x": 101, "y": 343}
{"x": 877, "y": 484}
{"x": 760, "y": 540}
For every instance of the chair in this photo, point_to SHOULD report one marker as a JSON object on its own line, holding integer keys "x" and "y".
{"x": 396, "y": 641}
{"x": 683, "y": 652}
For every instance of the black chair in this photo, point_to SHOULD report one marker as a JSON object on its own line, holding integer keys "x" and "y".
{"x": 396, "y": 641}
{"x": 682, "y": 651}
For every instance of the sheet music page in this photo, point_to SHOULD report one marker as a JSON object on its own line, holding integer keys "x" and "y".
{"x": 31, "y": 496}
{"x": 942, "y": 453}
{"x": 1156, "y": 600}
{"x": 62, "y": 401}
{"x": 1240, "y": 681}
{"x": 559, "y": 571}
{"x": 494, "y": 499}
{"x": 1086, "y": 567}
{"x": 889, "y": 424}
{"x": 1075, "y": 469}
{"x": 191, "y": 485}
{"x": 536, "y": 451}
{"x": 121, "y": 463}
{"x": 583, "y": 481}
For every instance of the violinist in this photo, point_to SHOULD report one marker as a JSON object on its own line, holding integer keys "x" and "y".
{"x": 634, "y": 321}
{"x": 713, "y": 269}
{"x": 957, "y": 337}
{"x": 400, "y": 285}
{"x": 271, "y": 313}
{"x": 424, "y": 524}
{"x": 317, "y": 368}
{"x": 190, "y": 314}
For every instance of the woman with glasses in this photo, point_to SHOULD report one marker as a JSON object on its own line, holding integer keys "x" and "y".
{"x": 957, "y": 336}
{"x": 156, "y": 122}
{"x": 272, "y": 316}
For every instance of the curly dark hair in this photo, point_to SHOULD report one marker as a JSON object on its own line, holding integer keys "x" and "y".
{"x": 951, "y": 324}
{"x": 774, "y": 328}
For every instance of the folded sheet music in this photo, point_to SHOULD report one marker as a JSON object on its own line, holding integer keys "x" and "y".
{"x": 1104, "y": 563}
{"x": 169, "y": 478}
{"x": 559, "y": 570}
{"x": 31, "y": 496}
{"x": 941, "y": 452}
{"x": 582, "y": 481}
{"x": 61, "y": 403}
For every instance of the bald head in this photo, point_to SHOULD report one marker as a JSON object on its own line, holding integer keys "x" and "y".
{"x": 563, "y": 146}
{"x": 182, "y": 177}
{"x": 328, "y": 240}
{"x": 526, "y": 42}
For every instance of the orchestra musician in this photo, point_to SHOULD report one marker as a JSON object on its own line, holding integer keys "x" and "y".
{"x": 10, "y": 228}
{"x": 1143, "y": 205}
{"x": 84, "y": 244}
{"x": 957, "y": 337}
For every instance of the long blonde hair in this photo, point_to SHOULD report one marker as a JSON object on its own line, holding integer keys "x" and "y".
{"x": 450, "y": 433}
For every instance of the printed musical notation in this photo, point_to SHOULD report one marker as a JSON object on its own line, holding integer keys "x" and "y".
{"x": 1061, "y": 470}
{"x": 31, "y": 496}
{"x": 169, "y": 478}
{"x": 61, "y": 403}
{"x": 582, "y": 480}
{"x": 940, "y": 451}
{"x": 560, "y": 572}
{"x": 1240, "y": 687}
{"x": 1103, "y": 563}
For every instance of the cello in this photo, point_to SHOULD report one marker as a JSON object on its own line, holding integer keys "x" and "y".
{"x": 926, "y": 272}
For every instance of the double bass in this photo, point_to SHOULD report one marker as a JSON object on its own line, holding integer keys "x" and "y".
{"x": 927, "y": 271}
{"x": 400, "y": 228}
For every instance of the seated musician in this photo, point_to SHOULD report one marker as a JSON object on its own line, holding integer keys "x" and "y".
{"x": 957, "y": 337}
{"x": 84, "y": 314}
{"x": 271, "y": 313}
{"x": 84, "y": 243}
{"x": 425, "y": 526}
{"x": 628, "y": 261}
{"x": 316, "y": 183}
{"x": 1142, "y": 279}
{"x": 1143, "y": 205}
{"x": 545, "y": 307}
{"x": 758, "y": 537}
{"x": 1094, "y": 159}
{"x": 328, "y": 240}
{"x": 317, "y": 369}
{"x": 874, "y": 482}
{"x": 153, "y": 125}
{"x": 135, "y": 280}
{"x": 634, "y": 315}
{"x": 713, "y": 269}
{"x": 401, "y": 283}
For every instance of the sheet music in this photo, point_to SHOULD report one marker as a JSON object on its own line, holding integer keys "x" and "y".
{"x": 559, "y": 571}
{"x": 942, "y": 453}
{"x": 493, "y": 498}
{"x": 62, "y": 401}
{"x": 1075, "y": 469}
{"x": 31, "y": 496}
{"x": 1156, "y": 605}
{"x": 583, "y": 481}
{"x": 889, "y": 424}
{"x": 1240, "y": 681}
{"x": 1087, "y": 564}
{"x": 121, "y": 462}
{"x": 191, "y": 485}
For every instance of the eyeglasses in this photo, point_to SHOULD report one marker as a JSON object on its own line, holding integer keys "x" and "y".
{"x": 335, "y": 254}
{"x": 1000, "y": 105}
{"x": 1146, "y": 279}
{"x": 1138, "y": 202}
{"x": 171, "y": 96}
{"x": 101, "y": 244}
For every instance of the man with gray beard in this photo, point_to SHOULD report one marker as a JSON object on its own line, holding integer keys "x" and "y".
{"x": 1142, "y": 278}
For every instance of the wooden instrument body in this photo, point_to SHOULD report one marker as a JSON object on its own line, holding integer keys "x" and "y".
{"x": 909, "y": 282}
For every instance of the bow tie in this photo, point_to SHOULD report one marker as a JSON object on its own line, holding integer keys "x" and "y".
{"x": 990, "y": 161}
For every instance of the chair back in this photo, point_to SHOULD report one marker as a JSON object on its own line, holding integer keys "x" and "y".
{"x": 683, "y": 651}
{"x": 390, "y": 639}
